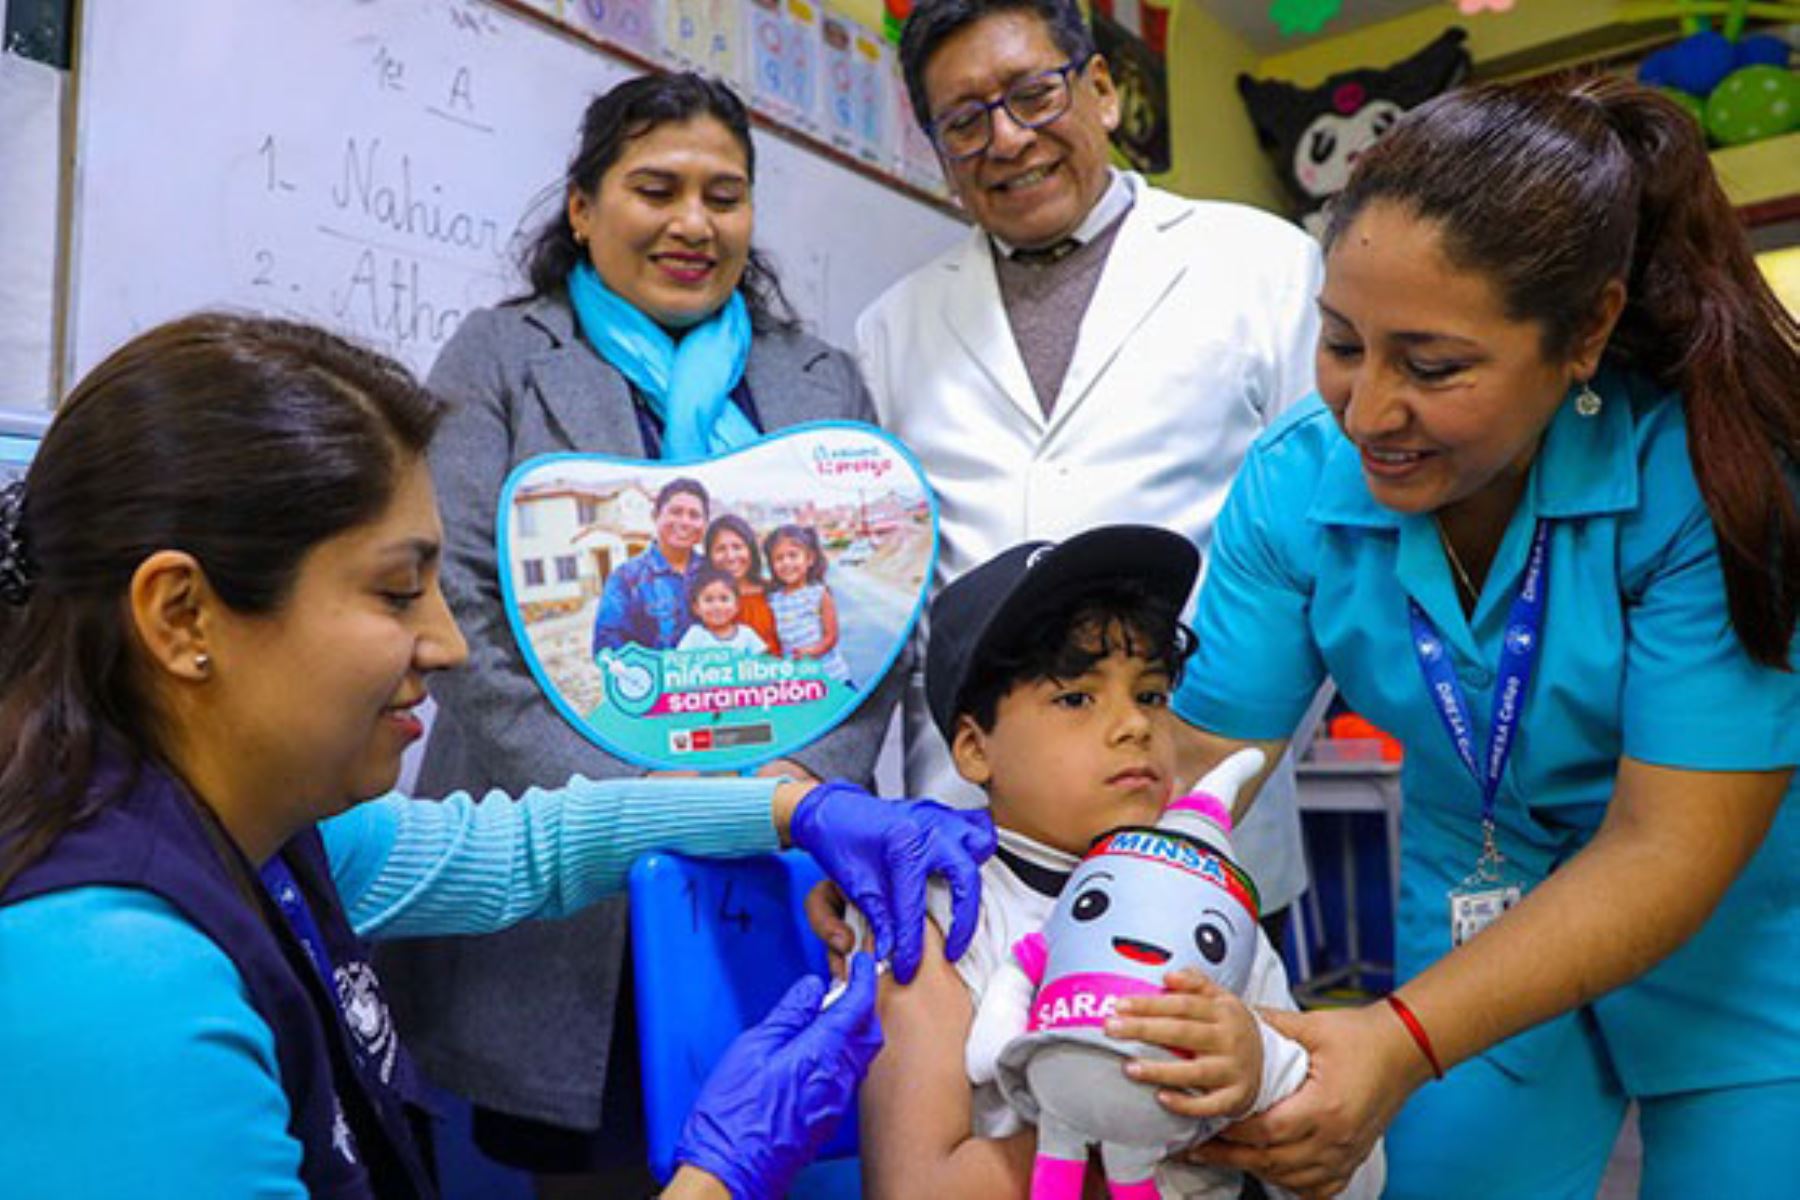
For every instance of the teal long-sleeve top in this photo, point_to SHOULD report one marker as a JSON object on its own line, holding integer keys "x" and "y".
{"x": 131, "y": 1060}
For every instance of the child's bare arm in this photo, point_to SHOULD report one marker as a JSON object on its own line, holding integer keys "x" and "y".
{"x": 828, "y": 623}
{"x": 916, "y": 1101}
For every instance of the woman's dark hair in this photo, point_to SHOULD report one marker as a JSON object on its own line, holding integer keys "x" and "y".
{"x": 1067, "y": 635}
{"x": 1552, "y": 192}
{"x": 808, "y": 539}
{"x": 732, "y": 523}
{"x": 704, "y": 578}
{"x": 626, "y": 113}
{"x": 933, "y": 22}
{"x": 681, "y": 485}
{"x": 244, "y": 442}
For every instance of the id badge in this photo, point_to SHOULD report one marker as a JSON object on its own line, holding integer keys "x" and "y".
{"x": 1492, "y": 888}
{"x": 1475, "y": 906}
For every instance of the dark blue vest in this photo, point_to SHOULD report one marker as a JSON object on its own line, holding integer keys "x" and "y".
{"x": 352, "y": 1092}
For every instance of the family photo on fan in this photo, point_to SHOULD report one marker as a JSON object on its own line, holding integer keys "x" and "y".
{"x": 709, "y": 613}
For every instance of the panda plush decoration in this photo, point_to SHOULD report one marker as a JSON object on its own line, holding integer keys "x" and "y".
{"x": 1315, "y": 135}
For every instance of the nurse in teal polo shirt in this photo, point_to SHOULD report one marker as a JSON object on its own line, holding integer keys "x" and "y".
{"x": 1552, "y": 473}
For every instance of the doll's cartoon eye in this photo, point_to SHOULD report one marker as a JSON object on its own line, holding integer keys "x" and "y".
{"x": 1211, "y": 940}
{"x": 1090, "y": 904}
{"x": 1321, "y": 146}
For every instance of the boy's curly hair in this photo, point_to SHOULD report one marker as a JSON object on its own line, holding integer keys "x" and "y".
{"x": 1066, "y": 635}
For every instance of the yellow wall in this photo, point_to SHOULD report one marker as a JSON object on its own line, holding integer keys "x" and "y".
{"x": 1214, "y": 147}
{"x": 1529, "y": 37}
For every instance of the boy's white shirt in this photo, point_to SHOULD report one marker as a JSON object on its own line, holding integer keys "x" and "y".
{"x": 1009, "y": 910}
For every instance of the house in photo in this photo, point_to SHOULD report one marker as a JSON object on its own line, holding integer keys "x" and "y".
{"x": 568, "y": 535}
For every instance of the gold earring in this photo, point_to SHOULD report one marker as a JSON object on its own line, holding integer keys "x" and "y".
{"x": 1587, "y": 400}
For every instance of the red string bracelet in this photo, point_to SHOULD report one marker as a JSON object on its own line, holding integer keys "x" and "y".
{"x": 1419, "y": 1036}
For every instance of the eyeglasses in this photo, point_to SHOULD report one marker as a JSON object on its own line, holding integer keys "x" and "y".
{"x": 1032, "y": 102}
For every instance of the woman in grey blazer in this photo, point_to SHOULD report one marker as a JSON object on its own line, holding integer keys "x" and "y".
{"x": 651, "y": 326}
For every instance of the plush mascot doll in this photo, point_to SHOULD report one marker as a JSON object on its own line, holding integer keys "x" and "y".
{"x": 1315, "y": 135}
{"x": 1144, "y": 901}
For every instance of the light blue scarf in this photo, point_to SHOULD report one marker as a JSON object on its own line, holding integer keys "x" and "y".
{"x": 687, "y": 383}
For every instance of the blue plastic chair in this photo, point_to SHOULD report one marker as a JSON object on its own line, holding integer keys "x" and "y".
{"x": 715, "y": 943}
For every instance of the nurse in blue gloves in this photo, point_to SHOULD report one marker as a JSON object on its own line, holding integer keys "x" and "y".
{"x": 1542, "y": 526}
{"x": 219, "y": 608}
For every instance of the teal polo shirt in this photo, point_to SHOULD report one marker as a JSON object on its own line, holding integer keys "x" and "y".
{"x": 1310, "y": 576}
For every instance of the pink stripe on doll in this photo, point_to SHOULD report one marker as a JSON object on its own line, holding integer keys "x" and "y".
{"x": 1207, "y": 805}
{"x": 1084, "y": 999}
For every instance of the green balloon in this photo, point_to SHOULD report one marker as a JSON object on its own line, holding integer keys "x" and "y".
{"x": 1752, "y": 104}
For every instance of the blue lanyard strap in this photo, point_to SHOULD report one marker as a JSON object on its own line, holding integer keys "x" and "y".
{"x": 1518, "y": 654}
{"x": 279, "y": 880}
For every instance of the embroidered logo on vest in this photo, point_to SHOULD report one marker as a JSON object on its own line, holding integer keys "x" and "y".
{"x": 366, "y": 1016}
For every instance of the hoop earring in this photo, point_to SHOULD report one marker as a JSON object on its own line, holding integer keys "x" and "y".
{"x": 1587, "y": 400}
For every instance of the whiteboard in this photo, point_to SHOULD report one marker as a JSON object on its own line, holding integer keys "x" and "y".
{"x": 374, "y": 165}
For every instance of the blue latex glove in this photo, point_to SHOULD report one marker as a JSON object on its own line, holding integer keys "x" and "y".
{"x": 783, "y": 1086}
{"x": 882, "y": 852}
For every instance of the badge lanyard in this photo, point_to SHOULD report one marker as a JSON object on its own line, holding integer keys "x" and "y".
{"x": 285, "y": 891}
{"x": 1488, "y": 892}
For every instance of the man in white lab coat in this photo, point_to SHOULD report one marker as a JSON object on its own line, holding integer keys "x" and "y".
{"x": 1096, "y": 351}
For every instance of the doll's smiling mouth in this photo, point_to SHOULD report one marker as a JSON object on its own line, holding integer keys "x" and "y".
{"x": 1141, "y": 952}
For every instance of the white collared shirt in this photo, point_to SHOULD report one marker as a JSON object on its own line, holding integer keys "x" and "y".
{"x": 1114, "y": 203}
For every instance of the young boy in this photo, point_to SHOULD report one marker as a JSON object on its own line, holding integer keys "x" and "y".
{"x": 1048, "y": 671}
